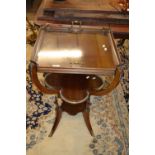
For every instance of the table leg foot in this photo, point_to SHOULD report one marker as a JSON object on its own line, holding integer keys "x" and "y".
{"x": 57, "y": 120}
{"x": 87, "y": 122}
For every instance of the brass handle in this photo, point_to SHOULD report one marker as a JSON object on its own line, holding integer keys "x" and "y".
{"x": 76, "y": 30}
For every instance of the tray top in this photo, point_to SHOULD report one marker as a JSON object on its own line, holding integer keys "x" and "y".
{"x": 74, "y": 51}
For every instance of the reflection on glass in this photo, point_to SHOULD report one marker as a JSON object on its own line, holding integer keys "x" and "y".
{"x": 56, "y": 65}
{"x": 65, "y": 53}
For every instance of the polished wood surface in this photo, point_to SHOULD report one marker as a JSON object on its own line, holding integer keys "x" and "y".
{"x": 82, "y": 84}
{"x": 73, "y": 83}
{"x": 53, "y": 80}
{"x": 75, "y": 50}
{"x": 70, "y": 81}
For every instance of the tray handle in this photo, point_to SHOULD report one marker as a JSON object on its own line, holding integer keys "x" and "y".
{"x": 76, "y": 29}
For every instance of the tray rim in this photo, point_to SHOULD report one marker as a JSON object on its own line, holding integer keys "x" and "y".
{"x": 82, "y": 70}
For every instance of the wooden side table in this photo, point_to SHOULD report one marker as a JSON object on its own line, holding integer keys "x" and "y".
{"x": 72, "y": 60}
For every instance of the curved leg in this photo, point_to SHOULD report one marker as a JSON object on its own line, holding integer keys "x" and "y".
{"x": 57, "y": 120}
{"x": 87, "y": 120}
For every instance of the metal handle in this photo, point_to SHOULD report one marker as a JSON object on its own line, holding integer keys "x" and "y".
{"x": 76, "y": 30}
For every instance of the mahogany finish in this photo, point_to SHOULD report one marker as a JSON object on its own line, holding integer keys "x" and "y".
{"x": 72, "y": 60}
{"x": 66, "y": 50}
{"x": 74, "y": 88}
{"x": 75, "y": 96}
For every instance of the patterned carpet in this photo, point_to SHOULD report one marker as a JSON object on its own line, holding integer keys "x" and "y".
{"x": 108, "y": 114}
